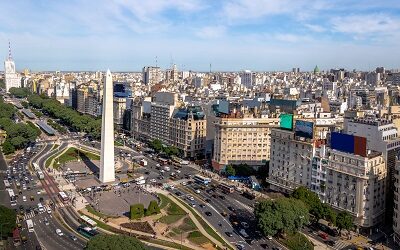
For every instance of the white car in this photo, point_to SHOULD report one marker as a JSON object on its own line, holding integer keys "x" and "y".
{"x": 38, "y": 192}
{"x": 191, "y": 198}
{"x": 172, "y": 187}
{"x": 49, "y": 210}
{"x": 178, "y": 171}
{"x": 184, "y": 183}
{"x": 58, "y": 232}
{"x": 23, "y": 198}
{"x": 153, "y": 180}
{"x": 269, "y": 237}
{"x": 162, "y": 171}
{"x": 197, "y": 191}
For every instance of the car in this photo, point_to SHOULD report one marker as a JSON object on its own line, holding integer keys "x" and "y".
{"x": 184, "y": 183}
{"x": 223, "y": 213}
{"x": 162, "y": 171}
{"x": 32, "y": 198}
{"x": 153, "y": 180}
{"x": 269, "y": 237}
{"x": 48, "y": 210}
{"x": 177, "y": 193}
{"x": 73, "y": 237}
{"x": 190, "y": 198}
{"x": 178, "y": 171}
{"x": 264, "y": 246}
{"x": 202, "y": 205}
{"x": 222, "y": 197}
{"x": 38, "y": 192}
{"x": 59, "y": 232}
{"x": 229, "y": 234}
{"x": 172, "y": 187}
{"x": 147, "y": 172}
{"x": 197, "y": 191}
{"x": 193, "y": 205}
{"x": 41, "y": 199}
{"x": 23, "y": 198}
{"x": 208, "y": 200}
{"x": 214, "y": 196}
{"x": 208, "y": 213}
{"x": 323, "y": 235}
{"x": 244, "y": 224}
{"x": 240, "y": 246}
{"x": 232, "y": 209}
{"x": 46, "y": 221}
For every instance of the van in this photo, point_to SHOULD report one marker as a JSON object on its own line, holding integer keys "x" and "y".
{"x": 40, "y": 207}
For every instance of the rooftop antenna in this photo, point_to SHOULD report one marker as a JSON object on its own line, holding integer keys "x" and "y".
{"x": 9, "y": 50}
{"x": 210, "y": 67}
{"x": 156, "y": 61}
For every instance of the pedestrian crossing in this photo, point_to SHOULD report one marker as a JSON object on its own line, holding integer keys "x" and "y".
{"x": 341, "y": 244}
{"x": 32, "y": 214}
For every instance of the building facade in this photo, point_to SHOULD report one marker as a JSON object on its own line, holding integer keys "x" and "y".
{"x": 11, "y": 78}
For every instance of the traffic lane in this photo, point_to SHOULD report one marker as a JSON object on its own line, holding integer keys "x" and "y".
{"x": 215, "y": 219}
{"x": 48, "y": 236}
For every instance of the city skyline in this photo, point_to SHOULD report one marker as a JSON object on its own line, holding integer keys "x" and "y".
{"x": 262, "y": 35}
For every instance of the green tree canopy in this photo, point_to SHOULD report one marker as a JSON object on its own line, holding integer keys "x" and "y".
{"x": 19, "y": 92}
{"x": 344, "y": 220}
{"x": 153, "y": 208}
{"x": 115, "y": 242}
{"x": 156, "y": 144}
{"x": 137, "y": 211}
{"x": 8, "y": 218}
{"x": 230, "y": 171}
{"x": 281, "y": 215}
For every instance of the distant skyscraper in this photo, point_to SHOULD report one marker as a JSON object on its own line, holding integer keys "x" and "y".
{"x": 107, "y": 170}
{"x": 11, "y": 77}
{"x": 151, "y": 75}
{"x": 247, "y": 78}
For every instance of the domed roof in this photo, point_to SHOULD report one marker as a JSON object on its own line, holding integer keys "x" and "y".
{"x": 316, "y": 69}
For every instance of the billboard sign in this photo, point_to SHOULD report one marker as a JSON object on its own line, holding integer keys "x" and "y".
{"x": 304, "y": 129}
{"x": 349, "y": 143}
{"x": 286, "y": 121}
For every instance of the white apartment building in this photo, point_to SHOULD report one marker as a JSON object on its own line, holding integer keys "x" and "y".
{"x": 242, "y": 140}
{"x": 246, "y": 78}
{"x": 357, "y": 184}
{"x": 290, "y": 162}
{"x": 151, "y": 75}
{"x": 11, "y": 78}
{"x": 160, "y": 116}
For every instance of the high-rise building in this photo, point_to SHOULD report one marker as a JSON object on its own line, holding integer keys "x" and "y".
{"x": 247, "y": 78}
{"x": 11, "y": 78}
{"x": 107, "y": 169}
{"x": 151, "y": 75}
{"x": 396, "y": 212}
{"x": 119, "y": 111}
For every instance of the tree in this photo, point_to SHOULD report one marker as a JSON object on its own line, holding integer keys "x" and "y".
{"x": 281, "y": 215}
{"x": 137, "y": 211}
{"x": 153, "y": 208}
{"x": 311, "y": 199}
{"x": 8, "y": 148}
{"x": 24, "y": 104}
{"x": 19, "y": 92}
{"x": 230, "y": 171}
{"x": 8, "y": 218}
{"x": 344, "y": 220}
{"x": 244, "y": 170}
{"x": 171, "y": 150}
{"x": 115, "y": 242}
{"x": 156, "y": 144}
{"x": 329, "y": 214}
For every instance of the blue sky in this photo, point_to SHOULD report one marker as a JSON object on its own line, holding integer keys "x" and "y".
{"x": 261, "y": 35}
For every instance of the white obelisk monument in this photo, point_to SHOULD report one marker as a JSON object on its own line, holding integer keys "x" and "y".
{"x": 107, "y": 171}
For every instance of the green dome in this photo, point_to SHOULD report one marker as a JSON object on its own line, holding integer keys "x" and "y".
{"x": 316, "y": 69}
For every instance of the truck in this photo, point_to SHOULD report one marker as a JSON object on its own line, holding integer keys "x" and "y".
{"x": 143, "y": 162}
{"x": 184, "y": 162}
{"x": 166, "y": 168}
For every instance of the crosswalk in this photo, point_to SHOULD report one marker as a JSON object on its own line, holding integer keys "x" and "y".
{"x": 341, "y": 244}
{"x": 32, "y": 214}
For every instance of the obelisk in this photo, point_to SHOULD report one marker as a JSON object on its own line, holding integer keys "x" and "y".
{"x": 107, "y": 171}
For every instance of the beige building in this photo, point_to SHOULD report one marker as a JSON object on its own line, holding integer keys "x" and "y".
{"x": 87, "y": 101}
{"x": 188, "y": 131}
{"x": 396, "y": 212}
{"x": 357, "y": 184}
{"x": 119, "y": 111}
{"x": 242, "y": 139}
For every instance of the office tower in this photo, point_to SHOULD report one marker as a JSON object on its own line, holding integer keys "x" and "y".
{"x": 151, "y": 75}
{"x": 107, "y": 171}
{"x": 11, "y": 77}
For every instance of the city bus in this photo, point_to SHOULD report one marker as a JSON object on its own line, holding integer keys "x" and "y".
{"x": 13, "y": 199}
{"x": 29, "y": 225}
{"x": 226, "y": 188}
{"x": 87, "y": 231}
{"x": 86, "y": 220}
{"x": 63, "y": 197}
{"x": 7, "y": 184}
{"x": 201, "y": 179}
{"x": 36, "y": 166}
{"x": 40, "y": 174}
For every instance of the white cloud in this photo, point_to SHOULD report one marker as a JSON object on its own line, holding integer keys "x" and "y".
{"x": 364, "y": 25}
{"x": 291, "y": 38}
{"x": 211, "y": 32}
{"x": 315, "y": 28}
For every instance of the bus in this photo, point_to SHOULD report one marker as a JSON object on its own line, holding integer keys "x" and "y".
{"x": 7, "y": 184}
{"x": 13, "y": 199}
{"x": 201, "y": 179}
{"x": 327, "y": 227}
{"x": 36, "y": 166}
{"x": 29, "y": 225}
{"x": 40, "y": 174}
{"x": 63, "y": 197}
{"x": 86, "y": 220}
{"x": 226, "y": 188}
{"x": 87, "y": 231}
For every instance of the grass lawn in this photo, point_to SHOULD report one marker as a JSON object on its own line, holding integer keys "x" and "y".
{"x": 73, "y": 154}
{"x": 172, "y": 218}
{"x": 169, "y": 244}
{"x": 164, "y": 201}
{"x": 197, "y": 238}
{"x": 187, "y": 225}
{"x": 118, "y": 143}
{"x": 48, "y": 161}
{"x": 297, "y": 241}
